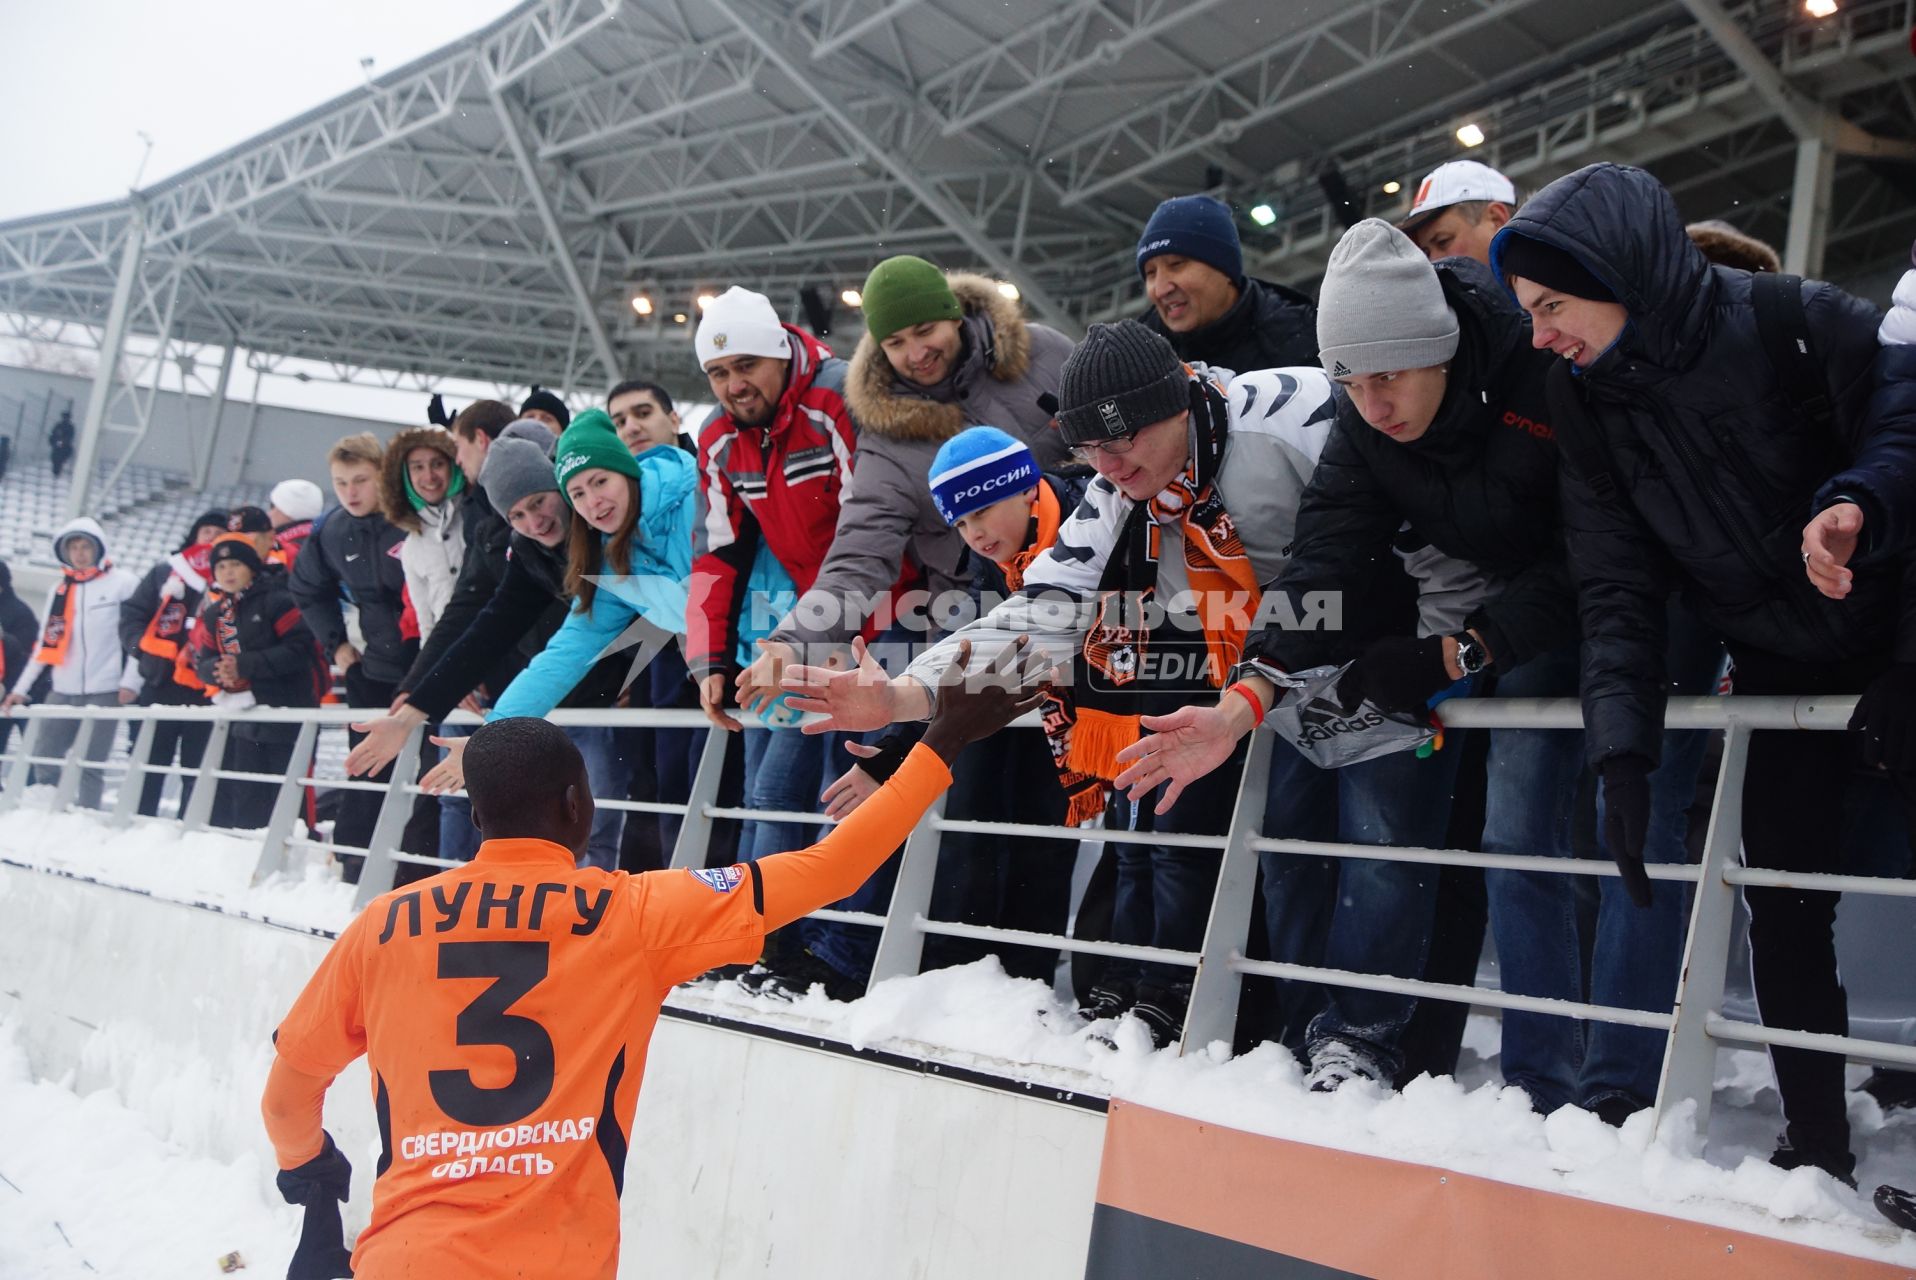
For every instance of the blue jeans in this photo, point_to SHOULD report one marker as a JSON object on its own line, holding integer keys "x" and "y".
{"x": 458, "y": 838}
{"x": 1637, "y": 952}
{"x": 1354, "y": 914}
{"x": 1163, "y": 893}
{"x": 609, "y": 769}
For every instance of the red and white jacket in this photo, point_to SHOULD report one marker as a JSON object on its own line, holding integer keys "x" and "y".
{"x": 779, "y": 483}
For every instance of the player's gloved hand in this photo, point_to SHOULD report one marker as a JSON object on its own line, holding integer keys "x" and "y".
{"x": 320, "y": 1184}
{"x": 1398, "y": 674}
{"x": 1885, "y": 718}
{"x": 436, "y": 411}
{"x": 327, "y": 1176}
{"x": 1626, "y": 820}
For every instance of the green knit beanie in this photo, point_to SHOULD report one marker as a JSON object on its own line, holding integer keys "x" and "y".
{"x": 904, "y": 291}
{"x": 591, "y": 441}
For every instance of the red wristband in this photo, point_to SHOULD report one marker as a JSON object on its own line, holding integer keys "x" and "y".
{"x": 1257, "y": 705}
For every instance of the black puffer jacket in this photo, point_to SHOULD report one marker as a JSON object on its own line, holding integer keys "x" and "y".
{"x": 527, "y": 606}
{"x": 1479, "y": 486}
{"x": 481, "y": 569}
{"x": 158, "y": 686}
{"x": 360, "y": 555}
{"x": 1712, "y": 474}
{"x": 1270, "y": 327}
{"x": 278, "y": 657}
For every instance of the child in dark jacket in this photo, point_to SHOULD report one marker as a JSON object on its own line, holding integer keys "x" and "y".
{"x": 987, "y": 486}
{"x": 253, "y": 649}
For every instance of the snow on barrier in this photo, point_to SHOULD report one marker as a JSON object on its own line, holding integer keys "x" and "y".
{"x": 949, "y": 1124}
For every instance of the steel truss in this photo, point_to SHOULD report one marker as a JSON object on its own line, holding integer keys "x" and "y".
{"x": 491, "y": 210}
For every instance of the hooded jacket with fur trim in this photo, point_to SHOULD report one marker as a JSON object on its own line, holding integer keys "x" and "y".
{"x": 886, "y": 513}
{"x": 435, "y": 543}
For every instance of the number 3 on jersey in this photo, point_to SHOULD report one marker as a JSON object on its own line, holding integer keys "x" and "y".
{"x": 518, "y": 967}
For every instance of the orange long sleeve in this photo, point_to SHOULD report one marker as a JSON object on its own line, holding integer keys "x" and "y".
{"x": 804, "y": 880}
{"x": 292, "y": 1107}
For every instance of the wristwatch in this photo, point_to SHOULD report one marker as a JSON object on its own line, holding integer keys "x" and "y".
{"x": 1471, "y": 654}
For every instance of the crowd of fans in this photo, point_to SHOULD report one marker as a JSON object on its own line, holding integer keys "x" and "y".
{"x": 1542, "y": 448}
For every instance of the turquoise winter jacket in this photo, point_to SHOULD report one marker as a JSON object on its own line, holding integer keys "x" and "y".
{"x": 654, "y": 590}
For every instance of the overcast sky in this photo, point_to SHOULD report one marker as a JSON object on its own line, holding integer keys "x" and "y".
{"x": 84, "y": 77}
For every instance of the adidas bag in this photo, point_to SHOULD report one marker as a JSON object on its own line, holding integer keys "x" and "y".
{"x": 1307, "y": 717}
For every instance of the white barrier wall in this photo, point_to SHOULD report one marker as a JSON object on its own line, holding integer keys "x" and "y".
{"x": 749, "y": 1157}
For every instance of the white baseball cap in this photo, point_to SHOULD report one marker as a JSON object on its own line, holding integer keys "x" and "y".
{"x": 1454, "y": 183}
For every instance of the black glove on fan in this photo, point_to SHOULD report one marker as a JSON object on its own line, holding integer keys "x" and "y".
{"x": 1885, "y": 718}
{"x": 1626, "y": 820}
{"x": 1398, "y": 674}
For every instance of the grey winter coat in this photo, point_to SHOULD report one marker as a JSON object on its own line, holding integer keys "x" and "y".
{"x": 886, "y": 512}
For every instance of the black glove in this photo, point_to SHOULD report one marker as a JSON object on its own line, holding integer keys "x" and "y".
{"x": 892, "y": 750}
{"x": 1626, "y": 820}
{"x": 322, "y": 1253}
{"x": 320, "y": 1184}
{"x": 327, "y": 1176}
{"x": 1885, "y": 717}
{"x": 436, "y": 411}
{"x": 1398, "y": 673}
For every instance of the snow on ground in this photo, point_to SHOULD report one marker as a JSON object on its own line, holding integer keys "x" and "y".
{"x": 90, "y": 1188}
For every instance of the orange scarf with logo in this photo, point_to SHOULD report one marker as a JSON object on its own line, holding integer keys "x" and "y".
{"x": 56, "y": 637}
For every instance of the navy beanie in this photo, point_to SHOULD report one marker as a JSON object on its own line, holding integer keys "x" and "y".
{"x": 977, "y": 467}
{"x": 1197, "y": 227}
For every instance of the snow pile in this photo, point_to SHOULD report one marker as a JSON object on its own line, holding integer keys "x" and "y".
{"x": 87, "y": 1190}
{"x": 110, "y": 1179}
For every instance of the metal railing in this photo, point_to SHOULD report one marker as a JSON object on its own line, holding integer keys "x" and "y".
{"x": 1696, "y": 1025}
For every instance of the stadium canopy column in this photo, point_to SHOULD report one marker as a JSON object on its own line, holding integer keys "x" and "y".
{"x": 86, "y": 449}
{"x": 215, "y": 413}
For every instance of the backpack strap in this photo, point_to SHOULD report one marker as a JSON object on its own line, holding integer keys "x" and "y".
{"x": 1785, "y": 333}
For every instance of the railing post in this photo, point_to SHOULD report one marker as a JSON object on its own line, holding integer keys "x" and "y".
{"x": 200, "y": 807}
{"x": 69, "y": 771}
{"x": 1212, "y": 1014}
{"x": 695, "y": 833}
{"x": 901, "y": 946}
{"x": 136, "y": 764}
{"x": 286, "y": 806}
{"x": 26, "y": 745}
{"x": 378, "y": 872}
{"x": 1689, "y": 1061}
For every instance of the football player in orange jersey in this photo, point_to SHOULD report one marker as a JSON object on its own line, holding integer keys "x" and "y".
{"x": 505, "y": 1005}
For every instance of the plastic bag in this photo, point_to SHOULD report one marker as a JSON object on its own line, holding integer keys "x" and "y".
{"x": 1307, "y": 717}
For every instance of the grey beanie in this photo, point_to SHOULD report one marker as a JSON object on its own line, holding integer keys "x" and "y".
{"x": 1122, "y": 378}
{"x": 516, "y": 467}
{"x": 1381, "y": 308}
{"x": 529, "y": 429}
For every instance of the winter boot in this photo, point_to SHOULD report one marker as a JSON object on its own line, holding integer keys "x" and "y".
{"x": 1840, "y": 1165}
{"x": 1334, "y": 1063}
{"x": 1160, "y": 1007}
{"x": 1898, "y": 1205}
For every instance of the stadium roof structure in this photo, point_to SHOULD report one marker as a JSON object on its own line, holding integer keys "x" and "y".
{"x": 494, "y": 209}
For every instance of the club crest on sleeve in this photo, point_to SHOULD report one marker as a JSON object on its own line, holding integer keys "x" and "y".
{"x": 719, "y": 879}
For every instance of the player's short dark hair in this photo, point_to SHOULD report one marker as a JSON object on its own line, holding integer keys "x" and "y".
{"x": 652, "y": 389}
{"x": 520, "y": 765}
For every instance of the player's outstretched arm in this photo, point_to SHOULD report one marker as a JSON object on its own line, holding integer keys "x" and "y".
{"x": 975, "y": 707}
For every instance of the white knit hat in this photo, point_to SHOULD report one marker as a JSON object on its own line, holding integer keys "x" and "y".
{"x": 297, "y": 499}
{"x": 740, "y": 323}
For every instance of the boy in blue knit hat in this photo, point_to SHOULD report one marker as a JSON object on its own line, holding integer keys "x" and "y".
{"x": 987, "y": 486}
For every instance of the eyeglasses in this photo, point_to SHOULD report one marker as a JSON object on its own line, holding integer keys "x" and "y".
{"x": 1088, "y": 453}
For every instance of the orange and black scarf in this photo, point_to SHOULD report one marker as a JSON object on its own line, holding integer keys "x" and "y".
{"x": 56, "y": 637}
{"x": 166, "y": 629}
{"x": 1123, "y": 662}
